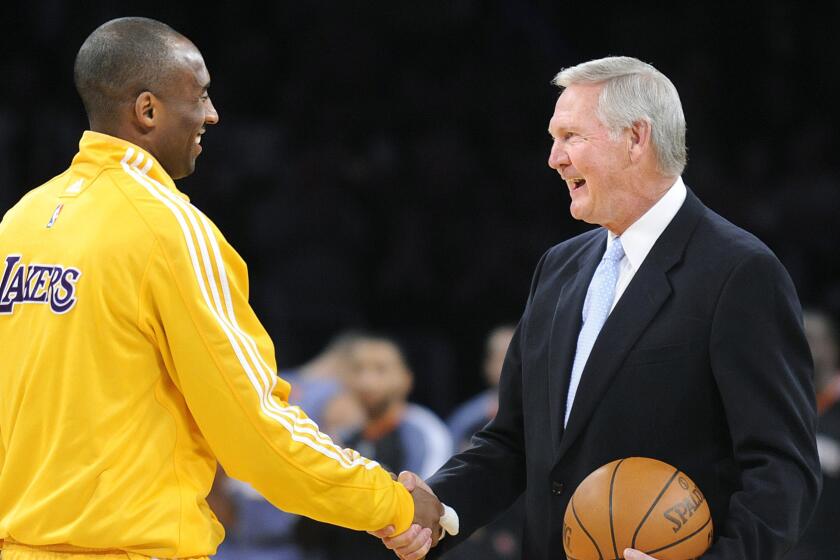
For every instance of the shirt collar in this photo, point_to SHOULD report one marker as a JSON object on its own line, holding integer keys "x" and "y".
{"x": 98, "y": 150}
{"x": 639, "y": 238}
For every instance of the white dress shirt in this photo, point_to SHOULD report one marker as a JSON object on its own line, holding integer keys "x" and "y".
{"x": 639, "y": 238}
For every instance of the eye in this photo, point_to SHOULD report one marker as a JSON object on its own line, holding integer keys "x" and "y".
{"x": 204, "y": 97}
{"x": 569, "y": 135}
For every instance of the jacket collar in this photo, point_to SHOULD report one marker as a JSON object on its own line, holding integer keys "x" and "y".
{"x": 98, "y": 151}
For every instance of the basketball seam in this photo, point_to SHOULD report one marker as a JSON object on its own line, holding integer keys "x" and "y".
{"x": 685, "y": 538}
{"x": 653, "y": 505}
{"x": 612, "y": 528}
{"x": 580, "y": 523}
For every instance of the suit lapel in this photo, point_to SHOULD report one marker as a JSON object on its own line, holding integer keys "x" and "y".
{"x": 644, "y": 296}
{"x": 565, "y": 327}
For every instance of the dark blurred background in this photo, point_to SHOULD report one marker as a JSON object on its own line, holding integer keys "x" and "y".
{"x": 383, "y": 164}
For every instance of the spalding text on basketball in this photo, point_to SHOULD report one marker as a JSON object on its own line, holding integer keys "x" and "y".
{"x": 681, "y": 512}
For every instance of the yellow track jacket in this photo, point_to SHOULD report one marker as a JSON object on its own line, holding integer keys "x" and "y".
{"x": 130, "y": 360}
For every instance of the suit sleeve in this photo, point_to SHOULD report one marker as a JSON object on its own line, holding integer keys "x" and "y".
{"x": 762, "y": 365}
{"x": 221, "y": 359}
{"x": 496, "y": 458}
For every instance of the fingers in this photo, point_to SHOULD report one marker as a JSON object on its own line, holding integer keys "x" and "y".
{"x": 384, "y": 532}
{"x": 413, "y": 544}
{"x": 419, "y": 553}
{"x": 411, "y": 481}
{"x": 425, "y": 531}
{"x": 630, "y": 554}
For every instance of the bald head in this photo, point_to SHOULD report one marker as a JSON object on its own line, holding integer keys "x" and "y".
{"x": 121, "y": 59}
{"x": 144, "y": 82}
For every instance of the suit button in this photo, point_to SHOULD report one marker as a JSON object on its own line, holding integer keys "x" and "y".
{"x": 556, "y": 488}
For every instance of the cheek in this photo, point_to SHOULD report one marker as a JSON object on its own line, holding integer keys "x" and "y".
{"x": 368, "y": 382}
{"x": 190, "y": 122}
{"x": 580, "y": 157}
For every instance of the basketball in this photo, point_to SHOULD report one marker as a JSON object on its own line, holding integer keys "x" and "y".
{"x": 637, "y": 503}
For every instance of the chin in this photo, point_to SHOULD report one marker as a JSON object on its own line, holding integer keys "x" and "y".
{"x": 375, "y": 409}
{"x": 578, "y": 212}
{"x": 184, "y": 172}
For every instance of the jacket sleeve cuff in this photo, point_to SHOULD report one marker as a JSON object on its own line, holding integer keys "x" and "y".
{"x": 449, "y": 522}
{"x": 405, "y": 509}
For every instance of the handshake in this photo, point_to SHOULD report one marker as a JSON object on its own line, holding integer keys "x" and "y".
{"x": 425, "y": 530}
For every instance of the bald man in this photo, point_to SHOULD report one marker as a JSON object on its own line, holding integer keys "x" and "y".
{"x": 131, "y": 358}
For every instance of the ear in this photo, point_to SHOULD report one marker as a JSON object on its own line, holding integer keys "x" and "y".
{"x": 145, "y": 109}
{"x": 640, "y": 140}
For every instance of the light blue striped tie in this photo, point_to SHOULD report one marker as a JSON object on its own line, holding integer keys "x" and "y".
{"x": 596, "y": 308}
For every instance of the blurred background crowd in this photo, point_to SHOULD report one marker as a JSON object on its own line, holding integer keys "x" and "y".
{"x": 381, "y": 168}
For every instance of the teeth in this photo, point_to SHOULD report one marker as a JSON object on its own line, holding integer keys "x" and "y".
{"x": 198, "y": 139}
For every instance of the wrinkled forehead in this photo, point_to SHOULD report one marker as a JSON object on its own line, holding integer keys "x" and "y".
{"x": 576, "y": 104}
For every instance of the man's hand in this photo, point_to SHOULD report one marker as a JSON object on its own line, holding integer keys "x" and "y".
{"x": 427, "y": 511}
{"x": 631, "y": 554}
{"x": 413, "y": 484}
{"x": 414, "y": 544}
{"x": 425, "y": 530}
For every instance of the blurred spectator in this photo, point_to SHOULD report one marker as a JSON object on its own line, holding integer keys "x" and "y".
{"x": 822, "y": 339}
{"x": 256, "y": 529}
{"x": 822, "y": 538}
{"x": 319, "y": 387}
{"x": 398, "y": 434}
{"x": 502, "y": 538}
{"x": 476, "y": 412}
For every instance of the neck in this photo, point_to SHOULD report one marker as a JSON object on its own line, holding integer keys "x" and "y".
{"x": 644, "y": 197}
{"x": 123, "y": 131}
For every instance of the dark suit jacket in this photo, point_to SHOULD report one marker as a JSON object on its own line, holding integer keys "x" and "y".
{"x": 702, "y": 364}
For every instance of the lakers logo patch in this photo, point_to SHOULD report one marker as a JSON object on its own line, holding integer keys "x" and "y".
{"x": 47, "y": 284}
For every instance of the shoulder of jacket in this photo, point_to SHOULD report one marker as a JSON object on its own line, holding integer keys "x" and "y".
{"x": 730, "y": 240}
{"x": 164, "y": 214}
{"x": 33, "y": 194}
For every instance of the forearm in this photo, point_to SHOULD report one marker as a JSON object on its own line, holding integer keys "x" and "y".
{"x": 222, "y": 361}
{"x": 283, "y": 456}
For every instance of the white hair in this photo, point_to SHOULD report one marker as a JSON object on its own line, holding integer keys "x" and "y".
{"x": 634, "y": 90}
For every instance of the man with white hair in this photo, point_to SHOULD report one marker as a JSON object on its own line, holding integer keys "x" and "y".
{"x": 667, "y": 332}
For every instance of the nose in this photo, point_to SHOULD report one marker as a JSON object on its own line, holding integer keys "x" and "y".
{"x": 211, "y": 116}
{"x": 557, "y": 157}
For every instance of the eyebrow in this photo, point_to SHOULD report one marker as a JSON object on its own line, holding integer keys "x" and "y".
{"x": 206, "y": 86}
{"x": 559, "y": 129}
